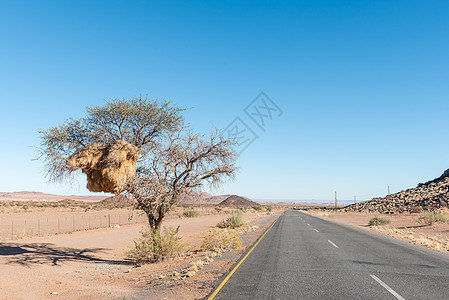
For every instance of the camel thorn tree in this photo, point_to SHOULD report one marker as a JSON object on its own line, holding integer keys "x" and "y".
{"x": 107, "y": 143}
{"x": 140, "y": 147}
{"x": 180, "y": 162}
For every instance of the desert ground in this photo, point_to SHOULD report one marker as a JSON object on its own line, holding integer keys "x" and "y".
{"x": 90, "y": 263}
{"x": 407, "y": 227}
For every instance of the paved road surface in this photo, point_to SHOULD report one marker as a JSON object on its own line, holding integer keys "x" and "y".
{"x": 304, "y": 257}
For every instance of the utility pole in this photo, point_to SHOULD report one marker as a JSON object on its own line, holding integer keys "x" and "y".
{"x": 335, "y": 200}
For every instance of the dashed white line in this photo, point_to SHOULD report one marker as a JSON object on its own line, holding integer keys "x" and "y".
{"x": 316, "y": 230}
{"x": 332, "y": 243}
{"x": 387, "y": 288}
{"x": 308, "y": 224}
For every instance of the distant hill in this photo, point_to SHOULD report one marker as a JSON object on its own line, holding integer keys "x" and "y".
{"x": 238, "y": 201}
{"x": 39, "y": 196}
{"x": 119, "y": 200}
{"x": 433, "y": 194}
{"x": 195, "y": 198}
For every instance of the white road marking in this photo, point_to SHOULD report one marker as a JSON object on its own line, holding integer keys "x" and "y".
{"x": 332, "y": 243}
{"x": 387, "y": 288}
{"x": 316, "y": 230}
{"x": 308, "y": 224}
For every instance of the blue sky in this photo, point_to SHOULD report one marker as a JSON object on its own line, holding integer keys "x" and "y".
{"x": 363, "y": 85}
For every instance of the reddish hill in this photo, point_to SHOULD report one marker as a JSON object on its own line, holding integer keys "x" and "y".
{"x": 119, "y": 200}
{"x": 195, "y": 198}
{"x": 238, "y": 201}
{"x": 39, "y": 196}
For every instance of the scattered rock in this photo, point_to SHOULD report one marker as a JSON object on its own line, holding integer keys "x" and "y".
{"x": 433, "y": 194}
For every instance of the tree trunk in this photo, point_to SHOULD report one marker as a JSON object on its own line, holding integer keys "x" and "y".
{"x": 155, "y": 223}
{"x": 151, "y": 220}
{"x": 159, "y": 222}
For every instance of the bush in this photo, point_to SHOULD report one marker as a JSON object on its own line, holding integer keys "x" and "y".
{"x": 430, "y": 217}
{"x": 154, "y": 246}
{"x": 257, "y": 208}
{"x": 232, "y": 222}
{"x": 416, "y": 210}
{"x": 191, "y": 213}
{"x": 377, "y": 221}
{"x": 221, "y": 239}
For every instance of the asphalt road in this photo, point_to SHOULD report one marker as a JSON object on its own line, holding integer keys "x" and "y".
{"x": 304, "y": 257}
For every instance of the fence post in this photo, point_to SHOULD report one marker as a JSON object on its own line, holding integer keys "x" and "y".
{"x": 12, "y": 229}
{"x": 59, "y": 228}
{"x": 73, "y": 223}
{"x": 89, "y": 222}
{"x": 109, "y": 220}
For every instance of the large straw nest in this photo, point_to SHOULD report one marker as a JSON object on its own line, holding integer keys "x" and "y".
{"x": 107, "y": 165}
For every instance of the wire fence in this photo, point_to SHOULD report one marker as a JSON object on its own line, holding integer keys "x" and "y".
{"x": 29, "y": 226}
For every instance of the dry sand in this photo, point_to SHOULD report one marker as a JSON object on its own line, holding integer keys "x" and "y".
{"x": 90, "y": 264}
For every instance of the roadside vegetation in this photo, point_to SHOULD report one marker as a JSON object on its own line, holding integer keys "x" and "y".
{"x": 431, "y": 217}
{"x": 190, "y": 213}
{"x": 236, "y": 220}
{"x": 221, "y": 239}
{"x": 378, "y": 221}
{"x": 155, "y": 246}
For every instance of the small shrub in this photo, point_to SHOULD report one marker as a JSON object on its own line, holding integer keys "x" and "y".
{"x": 430, "y": 217}
{"x": 221, "y": 239}
{"x": 154, "y": 246}
{"x": 218, "y": 209}
{"x": 416, "y": 210}
{"x": 377, "y": 221}
{"x": 269, "y": 209}
{"x": 257, "y": 208}
{"x": 232, "y": 222}
{"x": 191, "y": 213}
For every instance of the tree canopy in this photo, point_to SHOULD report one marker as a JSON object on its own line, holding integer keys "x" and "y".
{"x": 137, "y": 121}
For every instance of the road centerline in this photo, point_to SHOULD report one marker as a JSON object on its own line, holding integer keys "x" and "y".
{"x": 385, "y": 286}
{"x": 332, "y": 243}
{"x": 316, "y": 230}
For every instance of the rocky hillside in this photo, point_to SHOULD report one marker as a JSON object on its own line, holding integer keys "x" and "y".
{"x": 433, "y": 194}
{"x": 237, "y": 201}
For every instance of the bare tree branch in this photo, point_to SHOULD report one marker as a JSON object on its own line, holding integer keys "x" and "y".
{"x": 179, "y": 162}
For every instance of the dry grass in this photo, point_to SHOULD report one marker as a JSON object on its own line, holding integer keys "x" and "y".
{"x": 221, "y": 239}
{"x": 154, "y": 246}
{"x": 417, "y": 239}
{"x": 378, "y": 221}
{"x": 430, "y": 217}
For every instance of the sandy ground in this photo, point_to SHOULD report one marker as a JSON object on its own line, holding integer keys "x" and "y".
{"x": 90, "y": 264}
{"x": 407, "y": 227}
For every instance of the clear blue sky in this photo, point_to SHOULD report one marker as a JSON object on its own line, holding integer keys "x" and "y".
{"x": 363, "y": 85}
